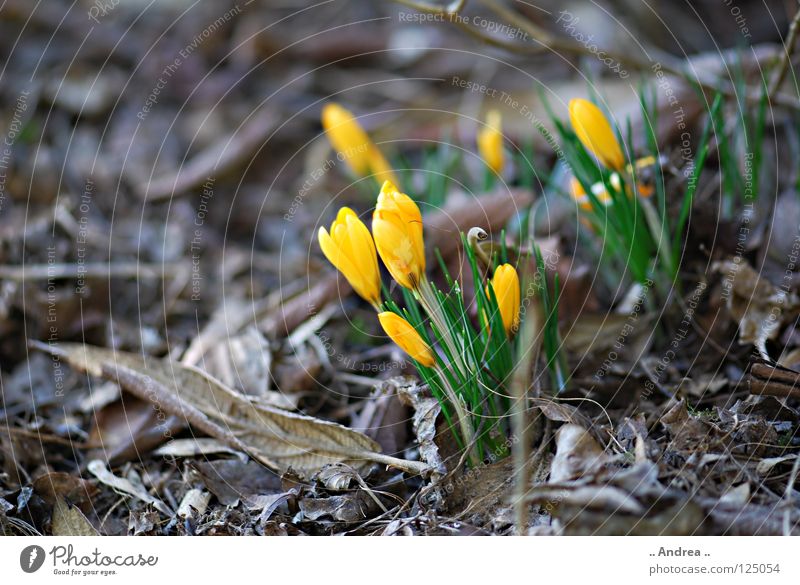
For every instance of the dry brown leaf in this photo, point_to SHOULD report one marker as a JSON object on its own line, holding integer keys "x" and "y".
{"x": 561, "y": 412}
{"x": 689, "y": 433}
{"x": 766, "y": 465}
{"x": 426, "y": 411}
{"x": 577, "y": 453}
{"x": 350, "y": 507}
{"x": 125, "y": 486}
{"x": 68, "y": 520}
{"x": 337, "y": 477}
{"x": 279, "y": 439}
{"x": 193, "y": 504}
{"x": 244, "y": 362}
{"x": 232, "y": 480}
{"x": 124, "y": 429}
{"x": 59, "y": 485}
{"x": 619, "y": 501}
{"x": 758, "y": 305}
{"x": 591, "y": 333}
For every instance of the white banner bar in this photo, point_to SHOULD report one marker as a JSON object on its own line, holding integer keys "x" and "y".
{"x": 353, "y": 560}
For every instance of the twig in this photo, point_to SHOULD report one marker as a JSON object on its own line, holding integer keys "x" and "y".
{"x": 455, "y": 7}
{"x": 529, "y": 344}
{"x": 786, "y": 59}
{"x": 89, "y": 270}
{"x": 769, "y": 380}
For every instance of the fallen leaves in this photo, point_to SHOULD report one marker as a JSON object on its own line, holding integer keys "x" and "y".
{"x": 279, "y": 439}
{"x": 68, "y": 520}
{"x": 131, "y": 487}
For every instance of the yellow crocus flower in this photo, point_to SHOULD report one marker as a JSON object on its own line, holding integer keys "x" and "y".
{"x": 397, "y": 229}
{"x": 349, "y": 247}
{"x": 404, "y": 335}
{"x": 595, "y": 133}
{"x": 506, "y": 290}
{"x": 352, "y": 143}
{"x": 490, "y": 141}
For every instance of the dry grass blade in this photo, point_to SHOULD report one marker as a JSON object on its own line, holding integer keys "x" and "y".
{"x": 279, "y": 439}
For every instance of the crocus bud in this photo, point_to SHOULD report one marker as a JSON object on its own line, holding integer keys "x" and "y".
{"x": 397, "y": 229}
{"x": 506, "y": 289}
{"x": 490, "y": 141}
{"x": 595, "y": 133}
{"x": 405, "y": 336}
{"x": 349, "y": 247}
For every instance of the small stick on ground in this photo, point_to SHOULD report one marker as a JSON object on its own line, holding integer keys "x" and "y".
{"x": 786, "y": 59}
{"x": 530, "y": 333}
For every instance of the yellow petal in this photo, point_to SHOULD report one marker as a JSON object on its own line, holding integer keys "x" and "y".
{"x": 398, "y": 233}
{"x": 347, "y": 137}
{"x": 363, "y": 251}
{"x": 379, "y": 166}
{"x": 334, "y": 254}
{"x": 353, "y": 144}
{"x": 397, "y": 250}
{"x": 405, "y": 336}
{"x": 595, "y": 133}
{"x": 490, "y": 141}
{"x": 507, "y": 291}
{"x": 350, "y": 248}
{"x": 579, "y": 194}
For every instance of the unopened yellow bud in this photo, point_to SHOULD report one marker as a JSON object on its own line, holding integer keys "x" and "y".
{"x": 353, "y": 145}
{"x": 404, "y": 335}
{"x": 490, "y": 141}
{"x": 595, "y": 133}
{"x": 349, "y": 247}
{"x": 506, "y": 289}
{"x": 397, "y": 229}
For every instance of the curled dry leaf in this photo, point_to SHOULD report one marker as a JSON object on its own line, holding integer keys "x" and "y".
{"x": 337, "y": 477}
{"x": 244, "y": 362}
{"x": 765, "y": 466}
{"x": 194, "y": 448}
{"x": 577, "y": 454}
{"x": 561, "y": 412}
{"x": 737, "y": 496}
{"x": 757, "y": 304}
{"x": 125, "y": 486}
{"x": 426, "y": 411}
{"x": 279, "y": 439}
{"x": 194, "y": 503}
